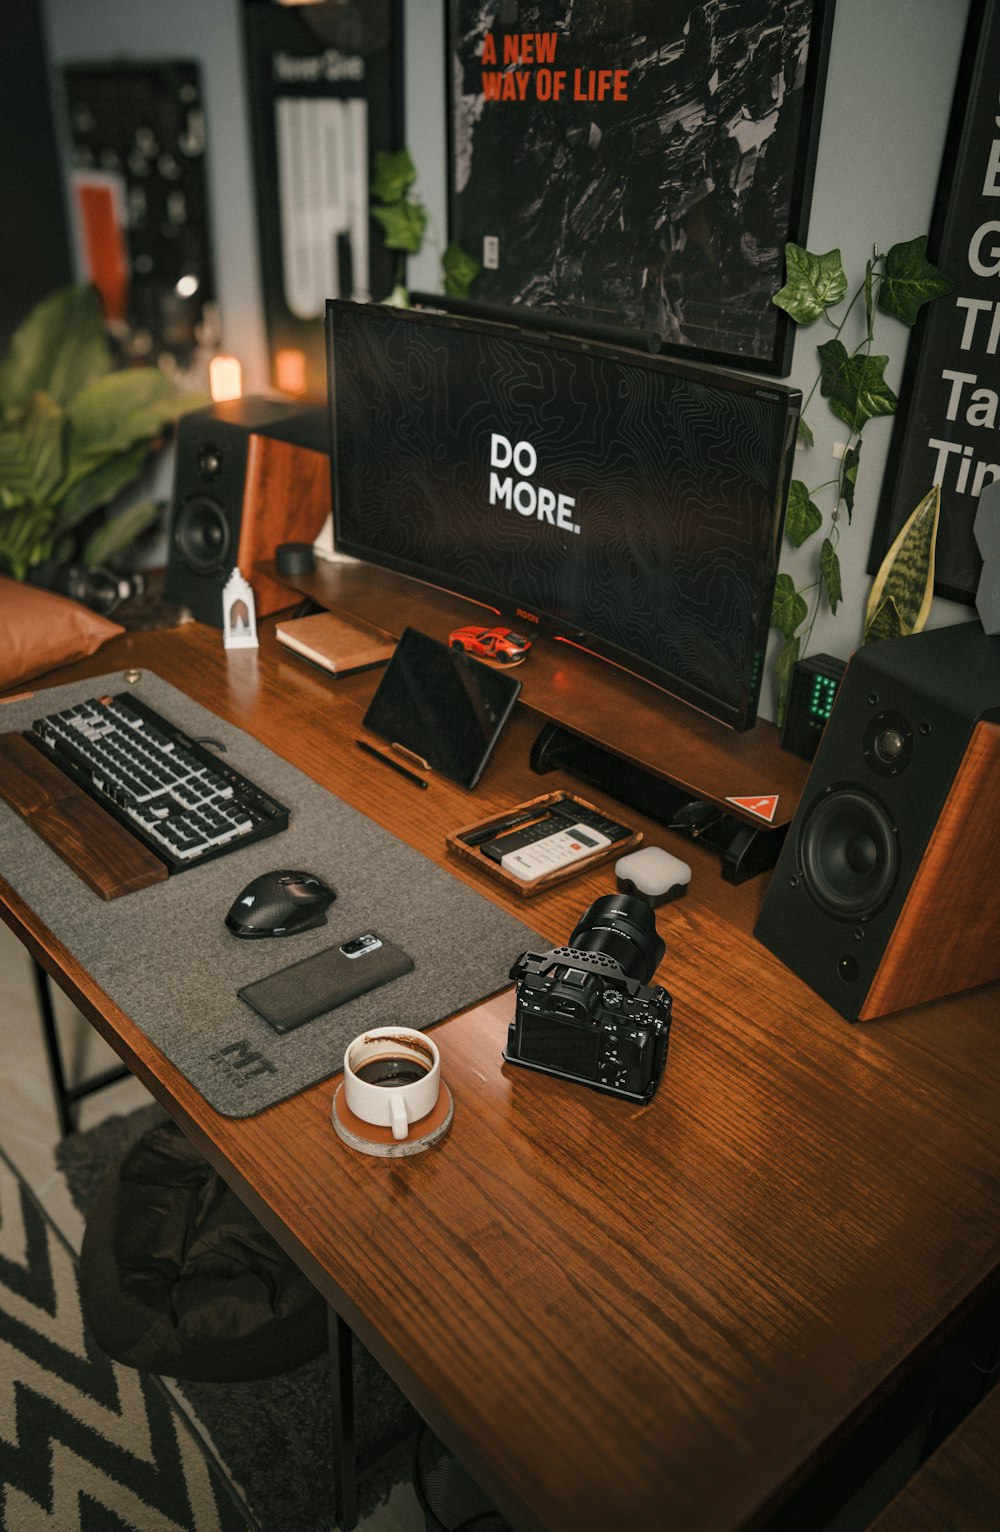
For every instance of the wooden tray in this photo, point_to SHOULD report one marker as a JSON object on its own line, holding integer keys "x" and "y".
{"x": 473, "y": 857}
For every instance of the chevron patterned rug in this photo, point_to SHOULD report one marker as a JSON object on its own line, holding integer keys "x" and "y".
{"x": 84, "y": 1443}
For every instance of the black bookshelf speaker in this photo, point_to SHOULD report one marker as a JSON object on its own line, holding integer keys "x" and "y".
{"x": 886, "y": 892}
{"x": 249, "y": 475}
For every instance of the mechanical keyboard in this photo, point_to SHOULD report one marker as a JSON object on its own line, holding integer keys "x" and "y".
{"x": 174, "y": 795}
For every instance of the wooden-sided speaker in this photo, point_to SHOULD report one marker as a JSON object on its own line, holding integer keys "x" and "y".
{"x": 887, "y": 892}
{"x": 250, "y": 474}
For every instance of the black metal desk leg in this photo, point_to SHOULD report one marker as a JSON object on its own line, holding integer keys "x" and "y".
{"x": 345, "y": 1465}
{"x": 66, "y": 1095}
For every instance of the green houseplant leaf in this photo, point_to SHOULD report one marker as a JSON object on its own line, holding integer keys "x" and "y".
{"x": 829, "y": 568}
{"x": 112, "y": 413}
{"x": 788, "y": 609}
{"x": 119, "y": 532}
{"x": 460, "y": 270}
{"x": 99, "y": 486}
{"x": 27, "y": 533}
{"x": 909, "y": 281}
{"x": 849, "y": 476}
{"x": 31, "y": 451}
{"x": 403, "y": 224}
{"x": 58, "y": 348}
{"x": 802, "y": 518}
{"x": 906, "y": 575}
{"x": 854, "y": 386}
{"x": 394, "y": 174}
{"x": 813, "y": 283}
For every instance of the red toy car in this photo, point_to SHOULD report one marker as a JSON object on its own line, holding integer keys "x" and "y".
{"x": 500, "y": 644}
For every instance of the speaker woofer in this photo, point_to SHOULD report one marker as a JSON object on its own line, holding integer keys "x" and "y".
{"x": 848, "y": 853}
{"x": 201, "y": 535}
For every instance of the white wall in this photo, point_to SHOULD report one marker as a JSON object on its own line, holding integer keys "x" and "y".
{"x": 891, "y": 77}
{"x": 892, "y": 71}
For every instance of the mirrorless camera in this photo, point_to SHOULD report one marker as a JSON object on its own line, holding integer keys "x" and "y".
{"x": 586, "y": 1012}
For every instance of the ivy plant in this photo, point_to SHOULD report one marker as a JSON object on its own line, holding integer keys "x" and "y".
{"x": 896, "y": 284}
{"x": 403, "y": 219}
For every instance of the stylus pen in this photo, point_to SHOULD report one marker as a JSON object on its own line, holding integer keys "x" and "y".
{"x": 387, "y": 760}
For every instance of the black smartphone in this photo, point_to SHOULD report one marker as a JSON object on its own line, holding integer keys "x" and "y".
{"x": 306, "y": 989}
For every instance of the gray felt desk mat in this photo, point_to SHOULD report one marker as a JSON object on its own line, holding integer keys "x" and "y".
{"x": 164, "y": 955}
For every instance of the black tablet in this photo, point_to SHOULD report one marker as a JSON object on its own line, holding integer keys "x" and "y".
{"x": 443, "y": 705}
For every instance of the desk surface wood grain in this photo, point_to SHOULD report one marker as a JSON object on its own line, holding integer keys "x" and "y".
{"x": 618, "y": 1316}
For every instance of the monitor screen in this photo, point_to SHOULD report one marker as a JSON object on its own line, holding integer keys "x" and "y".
{"x": 628, "y": 502}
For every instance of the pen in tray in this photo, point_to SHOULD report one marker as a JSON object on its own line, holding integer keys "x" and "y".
{"x": 487, "y": 832}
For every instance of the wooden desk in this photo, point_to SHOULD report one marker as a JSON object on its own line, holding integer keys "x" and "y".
{"x": 617, "y": 1317}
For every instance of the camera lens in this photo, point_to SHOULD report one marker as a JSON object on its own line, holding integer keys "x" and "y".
{"x": 623, "y": 928}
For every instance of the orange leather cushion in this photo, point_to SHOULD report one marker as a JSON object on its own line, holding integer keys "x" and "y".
{"x": 39, "y": 631}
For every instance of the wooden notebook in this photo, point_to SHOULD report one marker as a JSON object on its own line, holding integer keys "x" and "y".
{"x": 336, "y": 643}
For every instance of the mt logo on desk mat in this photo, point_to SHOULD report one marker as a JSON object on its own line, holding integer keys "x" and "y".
{"x": 164, "y": 956}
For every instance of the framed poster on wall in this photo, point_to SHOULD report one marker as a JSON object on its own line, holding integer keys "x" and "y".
{"x": 945, "y": 431}
{"x": 325, "y": 93}
{"x": 639, "y": 166}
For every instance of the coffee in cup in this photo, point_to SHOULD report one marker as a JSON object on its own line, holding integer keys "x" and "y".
{"x": 392, "y": 1077}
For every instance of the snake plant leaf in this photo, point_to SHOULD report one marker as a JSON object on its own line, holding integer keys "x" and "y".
{"x": 31, "y": 452}
{"x": 885, "y": 623}
{"x": 909, "y": 280}
{"x": 788, "y": 608}
{"x": 813, "y": 283}
{"x": 119, "y": 532}
{"x": 394, "y": 174}
{"x": 906, "y": 574}
{"x": 460, "y": 270}
{"x": 854, "y": 385}
{"x": 57, "y": 349}
{"x": 803, "y": 517}
{"x": 784, "y": 666}
{"x": 849, "y": 476}
{"x": 829, "y": 568}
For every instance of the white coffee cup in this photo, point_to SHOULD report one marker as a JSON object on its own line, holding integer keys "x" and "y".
{"x": 392, "y": 1076}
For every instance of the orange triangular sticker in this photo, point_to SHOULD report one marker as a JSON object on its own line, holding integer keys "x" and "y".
{"x": 765, "y": 805}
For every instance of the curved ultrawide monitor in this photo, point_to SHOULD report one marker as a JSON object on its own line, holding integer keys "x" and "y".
{"x": 628, "y": 502}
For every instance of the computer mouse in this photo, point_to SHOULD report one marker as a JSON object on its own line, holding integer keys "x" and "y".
{"x": 280, "y": 903}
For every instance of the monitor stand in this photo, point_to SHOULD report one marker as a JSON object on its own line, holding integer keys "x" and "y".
{"x": 744, "y": 849}
{"x": 738, "y": 792}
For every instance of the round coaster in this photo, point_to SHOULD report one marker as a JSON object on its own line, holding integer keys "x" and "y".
{"x": 369, "y": 1139}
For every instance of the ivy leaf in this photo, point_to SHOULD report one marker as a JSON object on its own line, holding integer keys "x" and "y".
{"x": 829, "y": 568}
{"x": 804, "y": 434}
{"x": 849, "y": 477}
{"x": 394, "y": 175}
{"x": 854, "y": 385}
{"x": 788, "y": 609}
{"x": 460, "y": 271}
{"x": 784, "y": 667}
{"x": 813, "y": 283}
{"x": 802, "y": 517}
{"x": 870, "y": 301}
{"x": 404, "y": 224}
{"x": 909, "y": 281}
